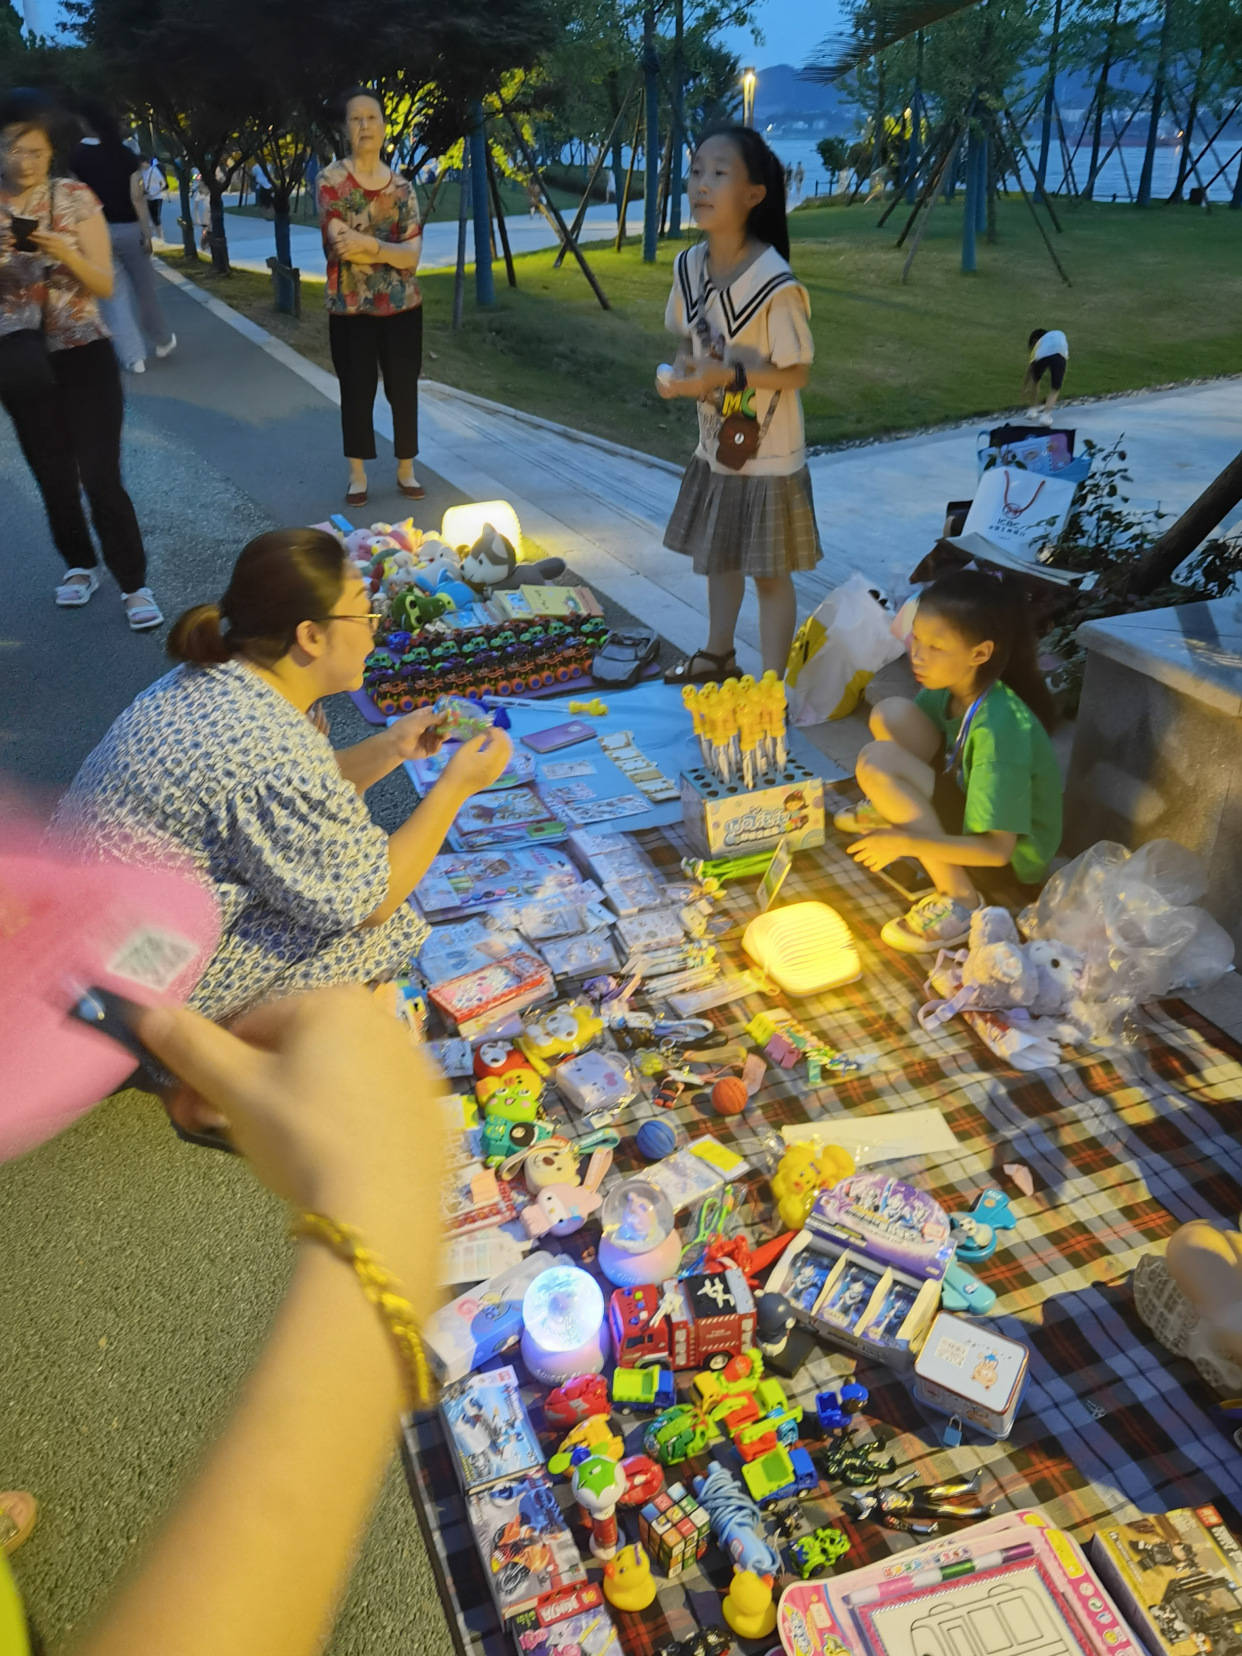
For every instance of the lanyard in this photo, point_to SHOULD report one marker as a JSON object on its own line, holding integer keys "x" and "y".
{"x": 951, "y": 760}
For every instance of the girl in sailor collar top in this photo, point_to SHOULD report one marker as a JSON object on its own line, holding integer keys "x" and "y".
{"x": 745, "y": 505}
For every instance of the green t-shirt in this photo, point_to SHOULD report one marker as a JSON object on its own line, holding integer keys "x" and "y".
{"x": 1012, "y": 780}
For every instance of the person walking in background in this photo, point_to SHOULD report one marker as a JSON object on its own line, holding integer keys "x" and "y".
{"x": 372, "y": 237}
{"x": 745, "y": 505}
{"x": 154, "y": 186}
{"x": 1049, "y": 350}
{"x": 799, "y": 179}
{"x": 200, "y": 211}
{"x": 114, "y": 172}
{"x": 77, "y": 444}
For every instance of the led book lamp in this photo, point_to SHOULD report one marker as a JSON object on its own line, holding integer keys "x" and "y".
{"x": 805, "y": 949}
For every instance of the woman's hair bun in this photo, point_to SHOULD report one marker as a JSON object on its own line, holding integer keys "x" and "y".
{"x": 196, "y": 637}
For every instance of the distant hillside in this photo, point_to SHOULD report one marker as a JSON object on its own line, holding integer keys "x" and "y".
{"x": 783, "y": 97}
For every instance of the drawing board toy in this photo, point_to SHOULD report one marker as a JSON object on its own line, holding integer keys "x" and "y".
{"x": 865, "y": 1273}
{"x": 1011, "y": 1586}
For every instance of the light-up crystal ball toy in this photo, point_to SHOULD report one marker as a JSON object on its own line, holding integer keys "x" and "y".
{"x": 639, "y": 1243}
{"x": 563, "y": 1325}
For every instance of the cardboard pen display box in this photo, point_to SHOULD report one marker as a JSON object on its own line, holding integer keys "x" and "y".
{"x": 966, "y": 1369}
{"x": 724, "y": 817}
{"x": 865, "y": 1274}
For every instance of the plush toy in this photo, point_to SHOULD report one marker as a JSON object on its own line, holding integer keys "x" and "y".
{"x": 558, "y": 1033}
{"x": 560, "y": 1209}
{"x": 491, "y": 565}
{"x": 997, "y": 972}
{"x": 415, "y": 609}
{"x": 444, "y": 585}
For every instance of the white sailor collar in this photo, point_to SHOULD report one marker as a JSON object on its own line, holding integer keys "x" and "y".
{"x": 745, "y": 296}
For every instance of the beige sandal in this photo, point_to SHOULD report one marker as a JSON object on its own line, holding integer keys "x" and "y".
{"x": 18, "y": 1512}
{"x": 78, "y": 587}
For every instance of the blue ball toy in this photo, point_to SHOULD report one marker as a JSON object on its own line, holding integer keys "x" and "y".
{"x": 656, "y": 1139}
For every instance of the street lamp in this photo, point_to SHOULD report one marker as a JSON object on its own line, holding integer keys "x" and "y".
{"x": 749, "y": 82}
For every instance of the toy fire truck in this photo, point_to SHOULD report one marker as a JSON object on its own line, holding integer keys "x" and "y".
{"x": 687, "y": 1322}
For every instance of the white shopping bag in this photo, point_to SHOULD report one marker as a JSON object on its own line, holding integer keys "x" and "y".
{"x": 1019, "y": 511}
{"x": 836, "y": 653}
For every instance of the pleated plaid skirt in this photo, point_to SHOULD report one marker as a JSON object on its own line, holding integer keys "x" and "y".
{"x": 759, "y": 525}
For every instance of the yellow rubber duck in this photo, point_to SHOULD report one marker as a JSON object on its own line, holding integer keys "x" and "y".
{"x": 748, "y": 1606}
{"x": 628, "y": 1582}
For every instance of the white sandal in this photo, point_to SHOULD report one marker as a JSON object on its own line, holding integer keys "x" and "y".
{"x": 144, "y": 614}
{"x": 73, "y": 593}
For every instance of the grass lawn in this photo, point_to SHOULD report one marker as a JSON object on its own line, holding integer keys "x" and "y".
{"x": 1157, "y": 297}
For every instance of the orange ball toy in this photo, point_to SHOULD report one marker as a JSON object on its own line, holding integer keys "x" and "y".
{"x": 729, "y": 1096}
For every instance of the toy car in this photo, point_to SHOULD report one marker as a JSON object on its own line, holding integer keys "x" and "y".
{"x": 778, "y": 1426}
{"x": 594, "y": 1433}
{"x": 739, "y": 1375}
{"x": 688, "y": 1322}
{"x": 706, "y": 1641}
{"x": 622, "y": 657}
{"x": 779, "y": 1473}
{"x": 818, "y": 1551}
{"x": 644, "y": 1388}
{"x": 677, "y": 1434}
{"x": 645, "y": 1480}
{"x": 836, "y": 1411}
{"x": 577, "y": 1399}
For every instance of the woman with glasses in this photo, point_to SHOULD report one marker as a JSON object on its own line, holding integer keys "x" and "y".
{"x": 219, "y": 761}
{"x": 373, "y": 241}
{"x": 55, "y": 268}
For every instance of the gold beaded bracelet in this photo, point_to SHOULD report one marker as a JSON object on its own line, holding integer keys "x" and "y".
{"x": 383, "y": 1290}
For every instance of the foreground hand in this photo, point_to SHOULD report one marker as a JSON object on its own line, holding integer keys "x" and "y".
{"x": 354, "y": 247}
{"x": 478, "y": 762}
{"x": 331, "y": 1103}
{"x": 54, "y": 244}
{"x": 702, "y": 377}
{"x": 417, "y": 736}
{"x": 876, "y": 851}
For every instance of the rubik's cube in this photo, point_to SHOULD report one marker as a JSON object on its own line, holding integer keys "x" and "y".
{"x": 674, "y": 1529}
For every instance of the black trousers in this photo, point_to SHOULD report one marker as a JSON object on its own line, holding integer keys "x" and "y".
{"x": 32, "y": 400}
{"x": 93, "y": 408}
{"x": 363, "y": 347}
{"x": 156, "y": 209}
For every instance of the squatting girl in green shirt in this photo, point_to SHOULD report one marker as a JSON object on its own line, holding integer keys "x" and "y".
{"x": 964, "y": 776}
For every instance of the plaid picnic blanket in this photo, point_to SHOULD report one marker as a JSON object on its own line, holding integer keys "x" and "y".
{"x": 1122, "y": 1148}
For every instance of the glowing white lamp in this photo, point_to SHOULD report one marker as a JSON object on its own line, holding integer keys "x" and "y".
{"x": 564, "y": 1332}
{"x": 806, "y": 948}
{"x": 463, "y": 525}
{"x": 639, "y": 1243}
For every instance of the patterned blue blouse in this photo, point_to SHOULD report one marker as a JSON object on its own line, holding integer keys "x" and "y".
{"x": 218, "y": 762}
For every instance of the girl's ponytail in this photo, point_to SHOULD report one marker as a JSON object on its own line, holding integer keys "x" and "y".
{"x": 195, "y": 637}
{"x": 987, "y": 607}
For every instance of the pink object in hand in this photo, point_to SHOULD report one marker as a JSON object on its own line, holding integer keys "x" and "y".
{"x": 144, "y": 932}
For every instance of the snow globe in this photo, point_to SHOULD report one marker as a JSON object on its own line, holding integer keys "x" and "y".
{"x": 563, "y": 1330}
{"x": 639, "y": 1243}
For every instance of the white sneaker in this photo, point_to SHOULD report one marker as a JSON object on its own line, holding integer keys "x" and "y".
{"x": 138, "y": 367}
{"x": 162, "y": 351}
{"x": 935, "y": 922}
{"x": 1034, "y": 413}
{"x": 1046, "y": 418}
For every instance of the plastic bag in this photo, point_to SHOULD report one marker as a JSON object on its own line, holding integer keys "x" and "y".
{"x": 1132, "y": 915}
{"x": 837, "y": 652}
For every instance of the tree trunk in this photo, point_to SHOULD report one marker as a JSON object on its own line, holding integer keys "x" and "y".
{"x": 651, "y": 143}
{"x": 189, "y": 241}
{"x": 679, "y": 121}
{"x": 1157, "y": 107}
{"x": 1045, "y": 130}
{"x": 1235, "y": 200}
{"x": 1196, "y": 523}
{"x": 1101, "y": 93}
{"x": 280, "y": 225}
{"x": 218, "y": 236}
{"x": 463, "y": 216}
{"x": 1186, "y": 159}
{"x": 484, "y": 282}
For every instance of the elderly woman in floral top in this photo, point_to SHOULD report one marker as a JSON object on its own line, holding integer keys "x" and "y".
{"x": 62, "y": 290}
{"x": 373, "y": 241}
